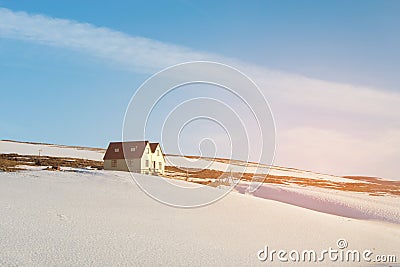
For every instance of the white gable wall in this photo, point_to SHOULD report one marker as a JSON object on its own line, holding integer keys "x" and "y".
{"x": 159, "y": 160}
{"x": 146, "y": 160}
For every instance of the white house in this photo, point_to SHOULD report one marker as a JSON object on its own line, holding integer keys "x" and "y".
{"x": 135, "y": 156}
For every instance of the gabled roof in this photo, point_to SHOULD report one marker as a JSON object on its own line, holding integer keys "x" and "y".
{"x": 153, "y": 147}
{"x": 122, "y": 147}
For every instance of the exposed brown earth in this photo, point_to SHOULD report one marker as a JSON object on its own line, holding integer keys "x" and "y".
{"x": 12, "y": 162}
{"x": 373, "y": 186}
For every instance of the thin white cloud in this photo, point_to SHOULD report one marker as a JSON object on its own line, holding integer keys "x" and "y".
{"x": 141, "y": 54}
{"x": 358, "y": 113}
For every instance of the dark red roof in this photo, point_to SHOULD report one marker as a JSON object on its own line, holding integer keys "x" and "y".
{"x": 122, "y": 147}
{"x": 153, "y": 147}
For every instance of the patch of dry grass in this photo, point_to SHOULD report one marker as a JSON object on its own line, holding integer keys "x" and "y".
{"x": 10, "y": 162}
{"x": 370, "y": 185}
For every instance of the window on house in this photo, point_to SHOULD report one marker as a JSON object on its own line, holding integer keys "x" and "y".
{"x": 158, "y": 152}
{"x": 133, "y": 149}
{"x": 147, "y": 163}
{"x": 114, "y": 163}
{"x": 116, "y": 150}
{"x": 160, "y": 165}
{"x": 148, "y": 151}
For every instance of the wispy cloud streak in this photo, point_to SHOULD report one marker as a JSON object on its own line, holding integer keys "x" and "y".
{"x": 141, "y": 54}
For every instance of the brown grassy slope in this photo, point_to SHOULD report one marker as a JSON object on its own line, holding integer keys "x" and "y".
{"x": 10, "y": 162}
{"x": 373, "y": 186}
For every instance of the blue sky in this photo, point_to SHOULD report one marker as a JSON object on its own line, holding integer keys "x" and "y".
{"x": 347, "y": 41}
{"x": 338, "y": 61}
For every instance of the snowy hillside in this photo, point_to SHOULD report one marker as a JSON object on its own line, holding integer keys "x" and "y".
{"x": 240, "y": 166}
{"x": 23, "y": 148}
{"x": 92, "y": 218}
{"x": 359, "y": 198}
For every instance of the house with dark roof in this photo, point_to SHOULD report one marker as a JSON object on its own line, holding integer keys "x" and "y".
{"x": 135, "y": 156}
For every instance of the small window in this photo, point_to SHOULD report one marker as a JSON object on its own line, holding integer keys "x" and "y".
{"x": 160, "y": 165}
{"x": 133, "y": 149}
{"x": 114, "y": 163}
{"x": 158, "y": 152}
{"x": 148, "y": 150}
{"x": 116, "y": 150}
{"x": 147, "y": 163}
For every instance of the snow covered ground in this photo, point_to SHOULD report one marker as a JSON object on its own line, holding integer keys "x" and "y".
{"x": 21, "y": 148}
{"x": 358, "y": 205}
{"x": 92, "y": 218}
